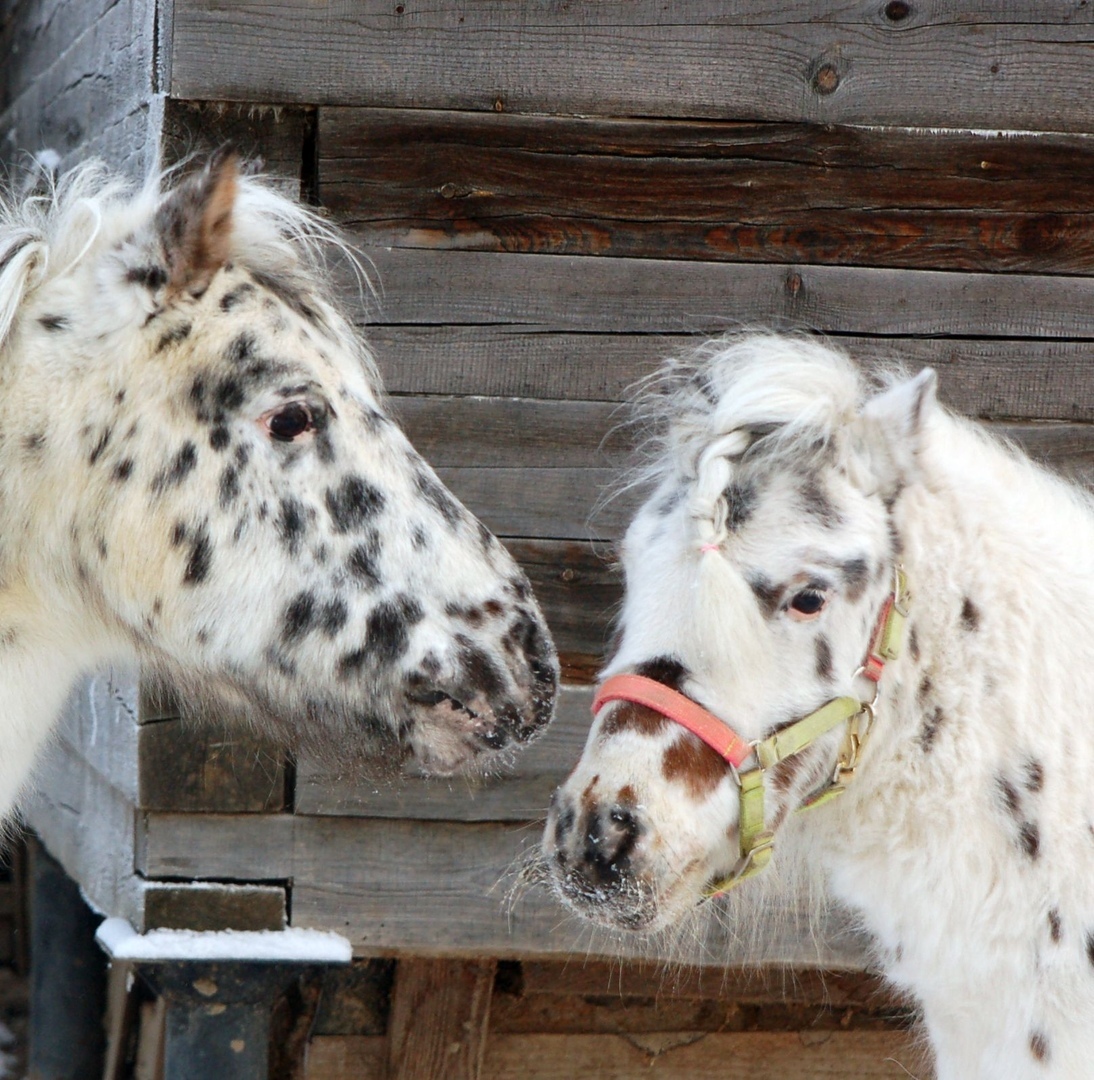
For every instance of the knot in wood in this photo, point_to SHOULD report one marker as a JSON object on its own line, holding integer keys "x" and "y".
{"x": 826, "y": 79}
{"x": 793, "y": 283}
{"x": 897, "y": 10}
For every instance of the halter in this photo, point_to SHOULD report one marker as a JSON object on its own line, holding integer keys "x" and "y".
{"x": 756, "y": 840}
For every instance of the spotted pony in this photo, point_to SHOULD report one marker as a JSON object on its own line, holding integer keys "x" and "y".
{"x": 198, "y": 470}
{"x": 787, "y": 491}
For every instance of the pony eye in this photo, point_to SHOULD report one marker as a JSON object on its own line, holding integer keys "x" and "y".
{"x": 289, "y": 422}
{"x": 807, "y": 603}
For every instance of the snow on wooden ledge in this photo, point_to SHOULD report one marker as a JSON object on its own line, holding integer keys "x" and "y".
{"x": 122, "y": 942}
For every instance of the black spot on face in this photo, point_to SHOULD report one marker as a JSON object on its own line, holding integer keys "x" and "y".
{"x": 479, "y": 671}
{"x": 53, "y": 323}
{"x": 387, "y": 629}
{"x": 913, "y": 644}
{"x": 100, "y": 446}
{"x": 1029, "y": 835}
{"x": 1009, "y": 794}
{"x": 766, "y": 593}
{"x": 291, "y": 524}
{"x": 353, "y": 503}
{"x": 201, "y": 557}
{"x": 231, "y": 298}
{"x": 925, "y": 688}
{"x": 1034, "y": 778}
{"x": 299, "y": 617}
{"x": 438, "y": 498}
{"x": 741, "y": 501}
{"x": 1055, "y": 929}
{"x": 123, "y": 470}
{"x": 177, "y": 469}
{"x": 34, "y": 442}
{"x": 363, "y": 561}
{"x": 816, "y": 503}
{"x": 670, "y": 502}
{"x": 220, "y": 437}
{"x": 292, "y": 297}
{"x": 929, "y": 731}
{"x": 173, "y": 336}
{"x": 1038, "y": 1045}
{"x": 824, "y": 658}
{"x": 178, "y": 533}
{"x": 663, "y": 669}
{"x": 1090, "y": 948}
{"x": 241, "y": 349}
{"x": 333, "y": 616}
{"x": 856, "y": 575}
{"x": 970, "y": 615}
{"x": 229, "y": 486}
{"x": 151, "y": 277}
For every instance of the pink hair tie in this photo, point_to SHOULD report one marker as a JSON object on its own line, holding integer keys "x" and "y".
{"x": 711, "y": 546}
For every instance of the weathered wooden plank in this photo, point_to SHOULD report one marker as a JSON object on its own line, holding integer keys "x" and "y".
{"x": 439, "y": 888}
{"x": 520, "y": 794}
{"x": 578, "y": 586}
{"x": 481, "y": 432}
{"x": 679, "y": 1055}
{"x": 729, "y": 191}
{"x": 214, "y": 906}
{"x": 635, "y": 980}
{"x": 341, "y": 1057}
{"x": 924, "y": 65}
{"x": 440, "y": 1011}
{"x": 994, "y": 377}
{"x": 442, "y": 888}
{"x": 582, "y": 504}
{"x": 185, "y": 765}
{"x": 542, "y": 502}
{"x": 89, "y": 827}
{"x": 575, "y": 294}
{"x": 71, "y": 100}
{"x": 271, "y": 137}
{"x": 239, "y": 847}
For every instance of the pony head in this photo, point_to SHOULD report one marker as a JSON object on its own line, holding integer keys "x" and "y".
{"x": 755, "y": 574}
{"x": 198, "y": 468}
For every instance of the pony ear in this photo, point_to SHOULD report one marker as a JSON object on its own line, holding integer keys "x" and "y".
{"x": 194, "y": 225}
{"x": 890, "y": 430}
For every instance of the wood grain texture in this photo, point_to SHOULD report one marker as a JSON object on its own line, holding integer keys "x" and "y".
{"x": 575, "y": 294}
{"x": 270, "y": 138}
{"x": 189, "y": 906}
{"x": 440, "y": 1012}
{"x": 680, "y": 1055}
{"x": 730, "y": 191}
{"x": 81, "y": 80}
{"x": 833, "y": 63}
{"x": 443, "y": 888}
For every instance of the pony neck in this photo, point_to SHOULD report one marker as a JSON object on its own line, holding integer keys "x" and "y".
{"x": 40, "y": 660}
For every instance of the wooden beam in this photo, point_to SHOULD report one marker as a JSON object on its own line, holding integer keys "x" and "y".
{"x": 575, "y": 294}
{"x": 710, "y": 191}
{"x": 1015, "y": 64}
{"x": 440, "y": 1013}
{"x": 676, "y": 1055}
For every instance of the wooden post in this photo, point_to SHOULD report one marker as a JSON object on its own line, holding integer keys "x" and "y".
{"x": 67, "y": 977}
{"x": 218, "y": 1015}
{"x": 440, "y": 1015}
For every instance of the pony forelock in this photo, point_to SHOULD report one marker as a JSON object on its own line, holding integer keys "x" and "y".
{"x": 737, "y": 399}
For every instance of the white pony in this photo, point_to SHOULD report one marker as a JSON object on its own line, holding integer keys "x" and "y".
{"x": 817, "y": 555}
{"x": 197, "y": 470}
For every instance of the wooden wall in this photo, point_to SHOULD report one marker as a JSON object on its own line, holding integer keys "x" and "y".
{"x": 554, "y": 197}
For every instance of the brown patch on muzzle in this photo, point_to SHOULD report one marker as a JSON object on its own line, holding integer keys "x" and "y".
{"x": 691, "y": 762}
{"x": 628, "y": 716}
